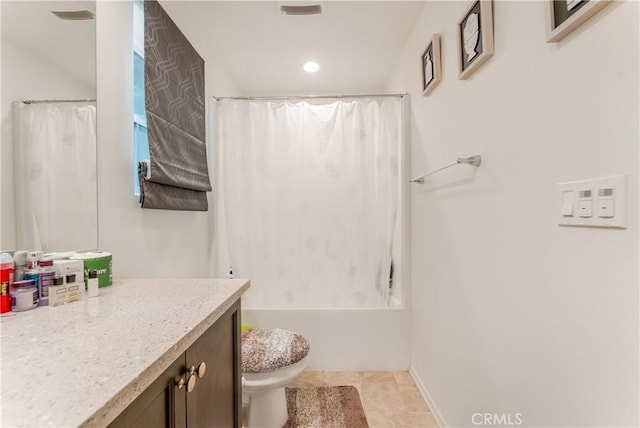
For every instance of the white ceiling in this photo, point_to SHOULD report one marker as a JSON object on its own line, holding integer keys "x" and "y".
{"x": 69, "y": 45}
{"x": 262, "y": 50}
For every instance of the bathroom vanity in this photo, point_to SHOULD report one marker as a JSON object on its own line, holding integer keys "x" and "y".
{"x": 147, "y": 352}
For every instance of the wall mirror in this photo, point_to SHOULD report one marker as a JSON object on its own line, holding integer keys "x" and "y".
{"x": 48, "y": 151}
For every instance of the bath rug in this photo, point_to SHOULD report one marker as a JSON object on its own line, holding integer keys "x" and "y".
{"x": 325, "y": 407}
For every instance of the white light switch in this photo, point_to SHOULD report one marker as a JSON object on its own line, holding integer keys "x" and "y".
{"x": 567, "y": 203}
{"x": 599, "y": 202}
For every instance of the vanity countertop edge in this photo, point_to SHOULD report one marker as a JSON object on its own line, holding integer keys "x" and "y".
{"x": 83, "y": 363}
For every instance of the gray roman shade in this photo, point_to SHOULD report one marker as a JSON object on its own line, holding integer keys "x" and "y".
{"x": 176, "y": 177}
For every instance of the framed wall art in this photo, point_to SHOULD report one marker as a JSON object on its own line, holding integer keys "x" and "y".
{"x": 431, "y": 65}
{"x": 475, "y": 37}
{"x": 567, "y": 15}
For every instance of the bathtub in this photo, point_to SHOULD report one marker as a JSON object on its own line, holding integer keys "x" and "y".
{"x": 341, "y": 339}
{"x": 344, "y": 339}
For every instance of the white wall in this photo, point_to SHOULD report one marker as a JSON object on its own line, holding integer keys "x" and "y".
{"x": 144, "y": 243}
{"x": 26, "y": 76}
{"x": 511, "y": 312}
{"x": 2, "y": 168}
{"x": 219, "y": 83}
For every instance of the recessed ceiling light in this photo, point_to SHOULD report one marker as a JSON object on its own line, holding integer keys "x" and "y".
{"x": 311, "y": 66}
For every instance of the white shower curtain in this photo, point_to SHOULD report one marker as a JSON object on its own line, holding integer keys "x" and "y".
{"x": 55, "y": 176}
{"x": 310, "y": 196}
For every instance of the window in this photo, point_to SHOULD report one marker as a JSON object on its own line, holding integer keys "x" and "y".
{"x": 177, "y": 174}
{"x": 140, "y": 141}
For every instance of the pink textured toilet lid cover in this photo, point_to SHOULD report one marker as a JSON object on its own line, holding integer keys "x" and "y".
{"x": 265, "y": 350}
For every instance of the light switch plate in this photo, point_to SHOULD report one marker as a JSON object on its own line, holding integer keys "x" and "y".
{"x": 617, "y": 201}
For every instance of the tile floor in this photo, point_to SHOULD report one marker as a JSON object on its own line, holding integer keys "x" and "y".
{"x": 390, "y": 399}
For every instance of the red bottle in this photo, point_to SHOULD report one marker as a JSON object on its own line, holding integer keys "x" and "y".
{"x": 6, "y": 280}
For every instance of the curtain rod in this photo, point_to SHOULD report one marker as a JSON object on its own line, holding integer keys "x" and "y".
{"x": 302, "y": 97}
{"x": 86, "y": 100}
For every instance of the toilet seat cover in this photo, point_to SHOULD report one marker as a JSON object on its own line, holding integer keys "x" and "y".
{"x": 265, "y": 350}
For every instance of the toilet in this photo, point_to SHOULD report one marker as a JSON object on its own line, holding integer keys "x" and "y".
{"x": 271, "y": 359}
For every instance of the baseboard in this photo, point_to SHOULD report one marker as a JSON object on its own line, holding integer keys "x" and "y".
{"x": 442, "y": 423}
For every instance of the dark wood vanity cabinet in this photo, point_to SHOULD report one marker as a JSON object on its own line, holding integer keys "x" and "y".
{"x": 190, "y": 394}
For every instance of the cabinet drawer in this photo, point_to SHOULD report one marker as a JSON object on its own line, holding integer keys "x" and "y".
{"x": 216, "y": 397}
{"x": 162, "y": 404}
{"x": 216, "y": 400}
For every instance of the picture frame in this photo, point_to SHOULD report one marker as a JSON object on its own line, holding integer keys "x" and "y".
{"x": 564, "y": 16}
{"x": 475, "y": 37}
{"x": 431, "y": 65}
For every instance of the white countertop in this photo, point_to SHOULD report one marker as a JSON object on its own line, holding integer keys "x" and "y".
{"x": 81, "y": 364}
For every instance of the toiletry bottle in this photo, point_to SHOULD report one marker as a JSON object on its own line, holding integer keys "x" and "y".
{"x": 46, "y": 274}
{"x": 230, "y": 272}
{"x": 33, "y": 257}
{"x": 6, "y": 280}
{"x": 92, "y": 284}
{"x": 20, "y": 261}
{"x": 75, "y": 289}
{"x": 57, "y": 292}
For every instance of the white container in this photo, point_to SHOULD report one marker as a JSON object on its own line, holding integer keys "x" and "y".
{"x": 57, "y": 292}
{"x": 6, "y": 273}
{"x": 24, "y": 295}
{"x": 20, "y": 260}
{"x": 92, "y": 284}
{"x": 33, "y": 257}
{"x": 75, "y": 291}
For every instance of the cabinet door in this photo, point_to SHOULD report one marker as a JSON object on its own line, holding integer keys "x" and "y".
{"x": 162, "y": 404}
{"x": 216, "y": 400}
